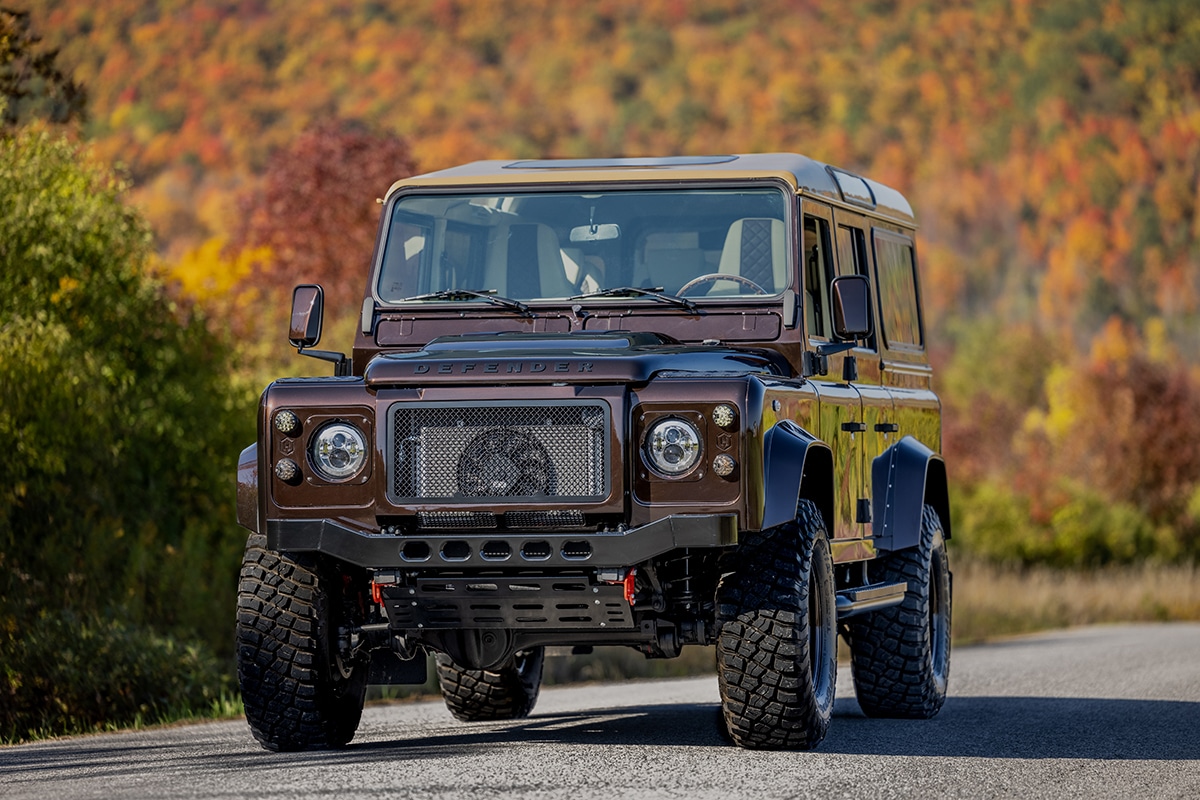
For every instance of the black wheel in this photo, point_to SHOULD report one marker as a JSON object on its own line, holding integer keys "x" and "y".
{"x": 901, "y": 655}
{"x": 298, "y": 693}
{"x": 777, "y": 649}
{"x": 478, "y": 695}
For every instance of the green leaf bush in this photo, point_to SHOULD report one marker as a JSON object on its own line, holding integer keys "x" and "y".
{"x": 122, "y": 428}
{"x": 65, "y": 673}
{"x": 1086, "y": 530}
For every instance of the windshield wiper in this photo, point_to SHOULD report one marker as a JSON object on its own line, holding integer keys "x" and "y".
{"x": 467, "y": 294}
{"x": 634, "y": 291}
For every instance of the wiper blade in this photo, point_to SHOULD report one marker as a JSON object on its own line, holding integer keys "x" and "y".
{"x": 655, "y": 292}
{"x": 469, "y": 294}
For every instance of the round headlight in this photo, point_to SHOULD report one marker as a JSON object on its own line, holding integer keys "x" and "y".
{"x": 673, "y": 446}
{"x": 338, "y": 451}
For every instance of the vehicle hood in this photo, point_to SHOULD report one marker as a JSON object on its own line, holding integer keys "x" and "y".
{"x": 562, "y": 358}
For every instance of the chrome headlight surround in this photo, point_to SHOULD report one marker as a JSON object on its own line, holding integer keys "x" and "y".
{"x": 338, "y": 452}
{"x": 672, "y": 447}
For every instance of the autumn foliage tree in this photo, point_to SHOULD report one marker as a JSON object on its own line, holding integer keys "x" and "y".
{"x": 1125, "y": 427}
{"x": 30, "y": 79}
{"x": 315, "y": 211}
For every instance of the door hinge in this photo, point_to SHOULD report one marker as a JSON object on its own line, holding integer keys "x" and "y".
{"x": 864, "y": 510}
{"x": 815, "y": 364}
{"x": 854, "y": 427}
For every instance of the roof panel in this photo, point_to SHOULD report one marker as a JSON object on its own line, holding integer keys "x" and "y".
{"x": 804, "y": 174}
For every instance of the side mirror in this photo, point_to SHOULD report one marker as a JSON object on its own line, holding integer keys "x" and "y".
{"x": 308, "y": 306}
{"x": 308, "y": 302}
{"x": 851, "y": 295}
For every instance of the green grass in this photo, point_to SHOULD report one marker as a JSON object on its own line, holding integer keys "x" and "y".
{"x": 992, "y": 601}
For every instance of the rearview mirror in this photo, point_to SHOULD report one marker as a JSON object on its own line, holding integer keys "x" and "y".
{"x": 851, "y": 296}
{"x": 308, "y": 301}
{"x": 596, "y": 233}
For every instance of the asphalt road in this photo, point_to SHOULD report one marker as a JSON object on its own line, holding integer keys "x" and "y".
{"x": 1096, "y": 712}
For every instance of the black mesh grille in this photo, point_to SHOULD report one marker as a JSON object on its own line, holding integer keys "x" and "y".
{"x": 543, "y": 519}
{"x": 499, "y": 452}
{"x": 456, "y": 520}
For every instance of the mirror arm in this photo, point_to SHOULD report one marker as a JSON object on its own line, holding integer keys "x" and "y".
{"x": 341, "y": 364}
{"x": 817, "y": 363}
{"x": 833, "y": 348}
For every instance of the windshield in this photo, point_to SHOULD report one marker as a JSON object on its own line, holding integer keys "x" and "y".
{"x": 705, "y": 243}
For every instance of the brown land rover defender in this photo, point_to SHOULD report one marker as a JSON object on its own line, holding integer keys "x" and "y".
{"x": 641, "y": 402}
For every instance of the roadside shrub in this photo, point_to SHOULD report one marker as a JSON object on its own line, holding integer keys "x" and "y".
{"x": 993, "y": 521}
{"x": 63, "y": 673}
{"x": 1090, "y": 530}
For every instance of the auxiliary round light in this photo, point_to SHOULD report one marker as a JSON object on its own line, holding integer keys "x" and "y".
{"x": 673, "y": 446}
{"x": 723, "y": 416}
{"x": 287, "y": 470}
{"x": 723, "y": 465}
{"x": 287, "y": 423}
{"x": 338, "y": 451}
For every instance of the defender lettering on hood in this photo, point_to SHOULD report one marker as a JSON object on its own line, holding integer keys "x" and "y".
{"x": 511, "y": 367}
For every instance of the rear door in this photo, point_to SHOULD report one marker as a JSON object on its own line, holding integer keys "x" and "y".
{"x": 879, "y": 429}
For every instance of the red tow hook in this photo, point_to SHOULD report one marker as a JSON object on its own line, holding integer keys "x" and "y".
{"x": 381, "y": 579}
{"x": 629, "y": 581}
{"x": 624, "y": 579}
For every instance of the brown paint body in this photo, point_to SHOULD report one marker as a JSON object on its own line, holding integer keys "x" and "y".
{"x": 639, "y": 362}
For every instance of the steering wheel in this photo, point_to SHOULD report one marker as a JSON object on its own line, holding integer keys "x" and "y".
{"x": 713, "y": 277}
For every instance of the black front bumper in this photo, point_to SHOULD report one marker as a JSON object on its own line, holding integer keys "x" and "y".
{"x": 501, "y": 549}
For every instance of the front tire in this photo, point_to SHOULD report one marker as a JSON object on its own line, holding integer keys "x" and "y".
{"x": 901, "y": 655}
{"x": 482, "y": 695}
{"x": 777, "y": 649}
{"x": 298, "y": 693}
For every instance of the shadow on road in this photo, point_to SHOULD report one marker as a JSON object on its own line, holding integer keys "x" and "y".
{"x": 988, "y": 727}
{"x": 991, "y": 727}
{"x": 1026, "y": 727}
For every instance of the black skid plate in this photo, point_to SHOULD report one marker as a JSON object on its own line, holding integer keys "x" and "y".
{"x": 543, "y": 603}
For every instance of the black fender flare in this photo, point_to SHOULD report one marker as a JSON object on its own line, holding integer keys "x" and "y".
{"x": 904, "y": 478}
{"x": 796, "y": 466}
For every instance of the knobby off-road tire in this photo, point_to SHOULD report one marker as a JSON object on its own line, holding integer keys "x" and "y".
{"x": 479, "y": 695}
{"x": 777, "y": 649}
{"x": 901, "y": 655}
{"x": 297, "y": 694}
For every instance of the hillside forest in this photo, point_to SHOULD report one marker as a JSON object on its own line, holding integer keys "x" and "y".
{"x": 1051, "y": 149}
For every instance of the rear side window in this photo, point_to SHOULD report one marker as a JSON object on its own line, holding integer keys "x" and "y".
{"x": 817, "y": 275}
{"x": 897, "y": 278}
